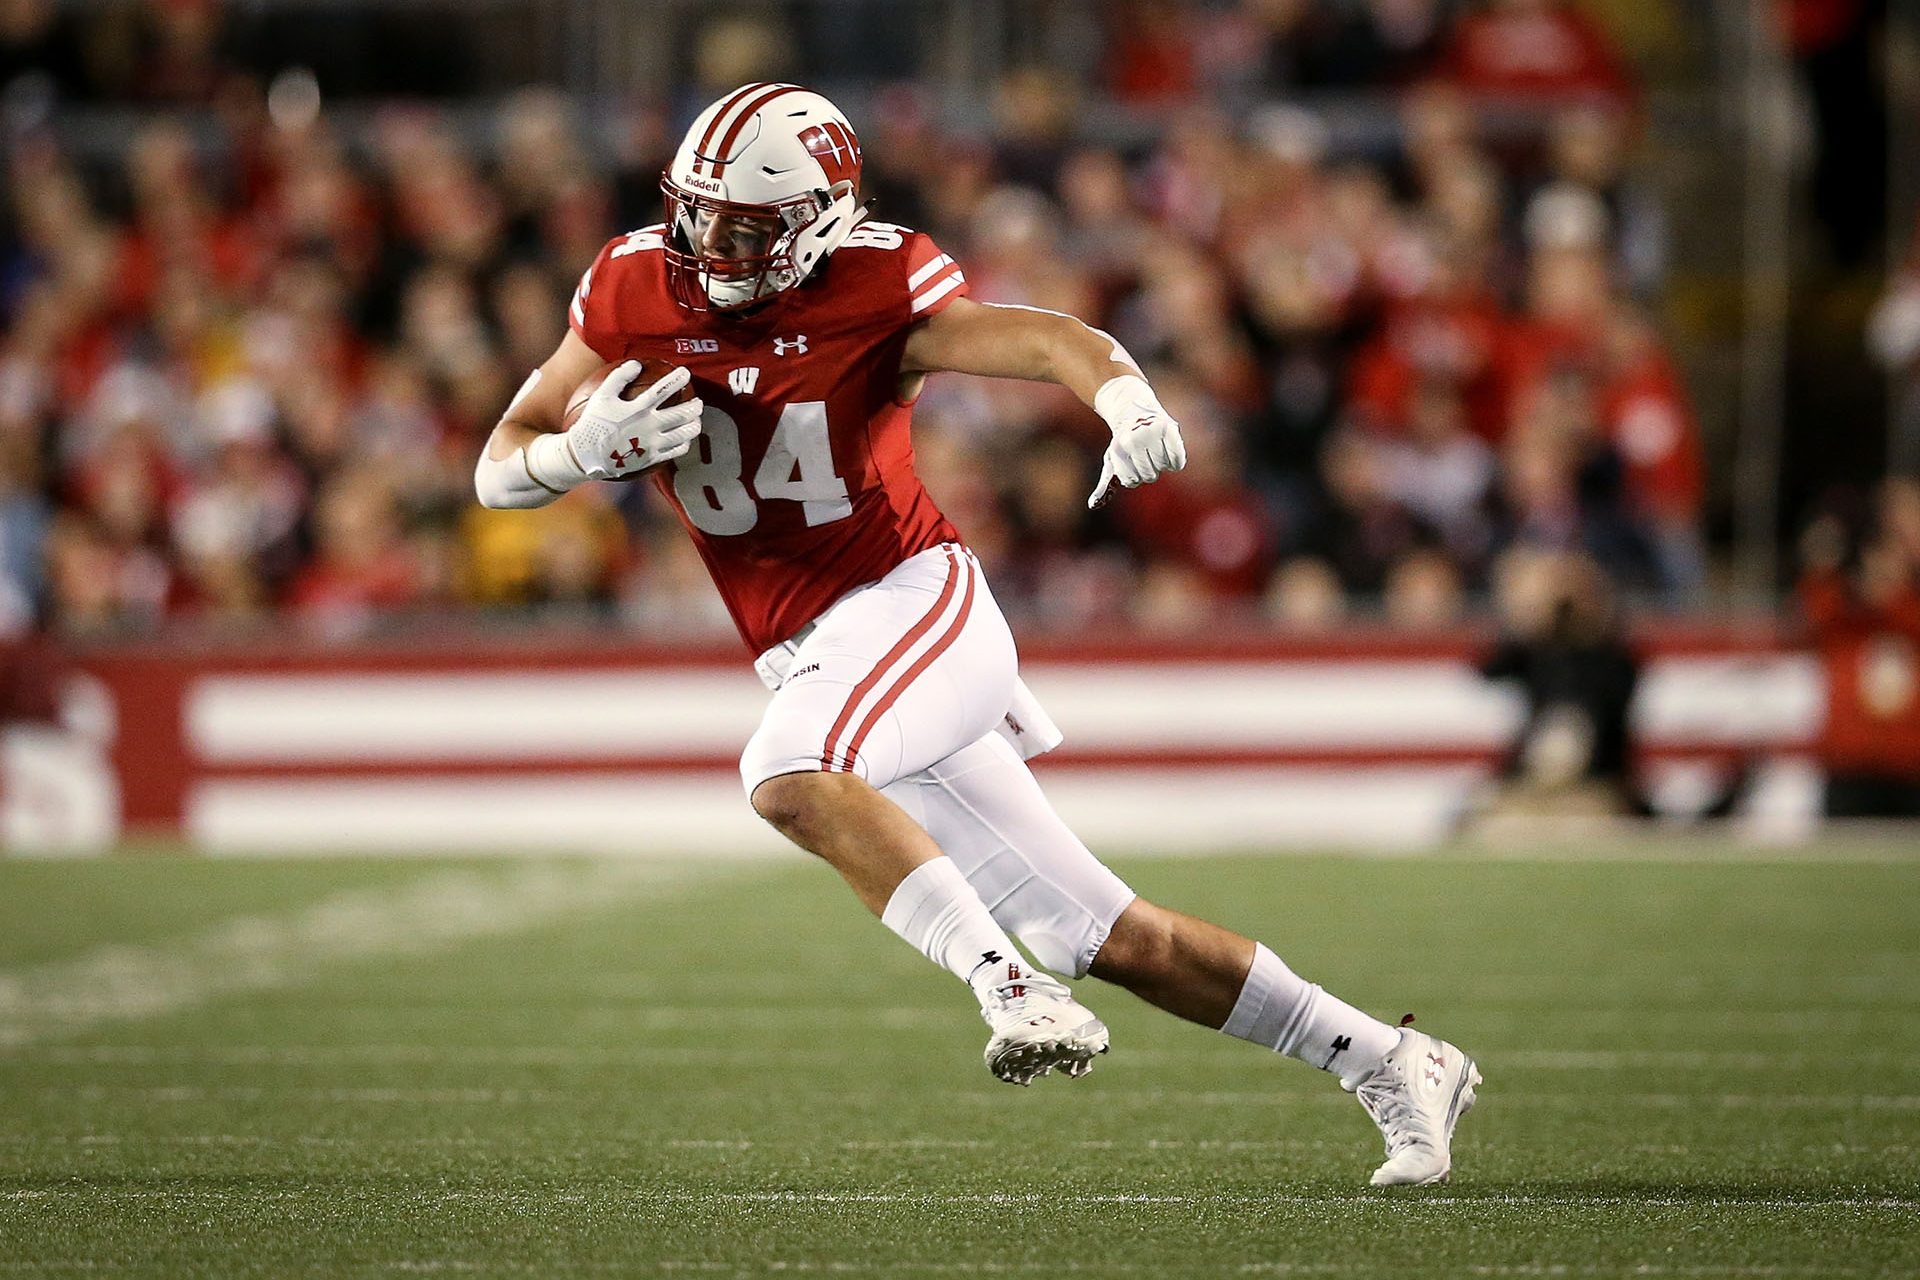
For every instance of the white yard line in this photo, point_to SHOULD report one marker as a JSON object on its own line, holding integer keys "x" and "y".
{"x": 1111, "y": 1097}
{"x": 732, "y": 1145}
{"x": 1509, "y": 1099}
{"x": 1395, "y": 1204}
{"x": 809, "y": 1016}
{"x": 1398, "y": 1204}
{"x": 1224, "y": 1054}
{"x": 267, "y": 952}
{"x": 1050, "y": 1266}
{"x": 1841, "y": 848}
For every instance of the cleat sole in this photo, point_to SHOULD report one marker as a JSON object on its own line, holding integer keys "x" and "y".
{"x": 1024, "y": 1062}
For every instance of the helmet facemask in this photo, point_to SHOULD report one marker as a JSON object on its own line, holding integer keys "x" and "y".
{"x": 723, "y": 255}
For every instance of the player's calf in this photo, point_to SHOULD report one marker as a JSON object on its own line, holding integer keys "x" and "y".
{"x": 853, "y": 828}
{"x": 917, "y": 891}
{"x": 1414, "y": 1087}
{"x": 1190, "y": 968}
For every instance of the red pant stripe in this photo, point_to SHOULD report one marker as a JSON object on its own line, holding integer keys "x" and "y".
{"x": 926, "y": 660}
{"x": 880, "y": 669}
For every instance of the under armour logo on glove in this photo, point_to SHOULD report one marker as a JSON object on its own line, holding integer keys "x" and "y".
{"x": 619, "y": 456}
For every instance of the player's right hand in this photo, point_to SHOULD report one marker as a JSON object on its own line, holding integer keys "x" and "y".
{"x": 616, "y": 437}
{"x": 1146, "y": 439}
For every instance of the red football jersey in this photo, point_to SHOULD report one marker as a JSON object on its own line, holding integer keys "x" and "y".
{"x": 801, "y": 486}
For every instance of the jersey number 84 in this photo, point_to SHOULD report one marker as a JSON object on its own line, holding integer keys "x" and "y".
{"x": 798, "y": 467}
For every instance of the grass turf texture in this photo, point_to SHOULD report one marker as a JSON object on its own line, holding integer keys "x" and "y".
{"x": 1693, "y": 1069}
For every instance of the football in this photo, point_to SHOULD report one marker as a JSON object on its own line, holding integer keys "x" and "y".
{"x": 651, "y": 371}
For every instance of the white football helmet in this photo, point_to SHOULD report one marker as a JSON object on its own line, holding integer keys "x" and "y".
{"x": 764, "y": 187}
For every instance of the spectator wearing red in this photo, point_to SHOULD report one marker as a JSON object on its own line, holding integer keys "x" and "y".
{"x": 1205, "y": 520}
{"x": 361, "y": 564}
{"x": 177, "y": 225}
{"x": 1526, "y": 51}
{"x": 1449, "y": 331}
{"x": 1569, "y": 306}
{"x": 1866, "y": 626}
{"x": 1649, "y": 420}
{"x": 1151, "y": 54}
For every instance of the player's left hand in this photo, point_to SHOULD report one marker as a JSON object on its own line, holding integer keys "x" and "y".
{"x": 1146, "y": 439}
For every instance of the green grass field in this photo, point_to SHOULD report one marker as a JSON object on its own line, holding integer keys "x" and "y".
{"x": 568, "y": 1068}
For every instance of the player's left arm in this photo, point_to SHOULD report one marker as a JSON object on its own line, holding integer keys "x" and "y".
{"x": 996, "y": 341}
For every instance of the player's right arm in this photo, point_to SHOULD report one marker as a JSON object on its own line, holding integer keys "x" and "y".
{"x": 530, "y": 460}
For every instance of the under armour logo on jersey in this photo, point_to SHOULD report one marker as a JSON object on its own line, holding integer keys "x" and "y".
{"x": 796, "y": 344}
{"x": 744, "y": 380}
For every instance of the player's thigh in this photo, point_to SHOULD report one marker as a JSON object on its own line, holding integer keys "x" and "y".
{"x": 984, "y": 809}
{"x": 893, "y": 678}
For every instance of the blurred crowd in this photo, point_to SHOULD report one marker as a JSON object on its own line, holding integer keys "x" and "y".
{"x": 1860, "y": 594}
{"x": 245, "y": 376}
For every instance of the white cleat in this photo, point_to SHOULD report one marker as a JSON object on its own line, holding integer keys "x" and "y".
{"x": 1038, "y": 1026}
{"x": 1416, "y": 1096}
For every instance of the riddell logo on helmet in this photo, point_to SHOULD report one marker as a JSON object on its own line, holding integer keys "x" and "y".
{"x": 703, "y": 184}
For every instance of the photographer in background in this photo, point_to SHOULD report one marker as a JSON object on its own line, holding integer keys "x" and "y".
{"x": 1563, "y": 649}
{"x": 1863, "y": 610}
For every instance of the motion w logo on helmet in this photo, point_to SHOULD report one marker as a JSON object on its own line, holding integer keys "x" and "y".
{"x": 837, "y": 150}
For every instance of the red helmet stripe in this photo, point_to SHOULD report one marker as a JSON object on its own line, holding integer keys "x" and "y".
{"x": 713, "y": 125}
{"x": 740, "y": 121}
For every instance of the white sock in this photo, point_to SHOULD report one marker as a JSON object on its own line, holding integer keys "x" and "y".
{"x": 1281, "y": 1010}
{"x": 937, "y": 911}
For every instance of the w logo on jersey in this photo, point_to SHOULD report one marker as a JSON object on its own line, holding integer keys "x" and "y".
{"x": 744, "y": 380}
{"x": 837, "y": 150}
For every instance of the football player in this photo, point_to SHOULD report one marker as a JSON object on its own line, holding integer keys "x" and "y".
{"x": 895, "y": 741}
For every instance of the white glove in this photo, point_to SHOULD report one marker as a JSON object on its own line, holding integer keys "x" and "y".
{"x": 613, "y": 437}
{"x": 1146, "y": 440}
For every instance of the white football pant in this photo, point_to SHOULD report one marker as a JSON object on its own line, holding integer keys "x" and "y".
{"x": 911, "y": 684}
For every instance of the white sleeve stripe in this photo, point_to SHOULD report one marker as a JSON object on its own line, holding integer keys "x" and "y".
{"x": 933, "y": 295}
{"x": 950, "y": 271}
{"x": 921, "y": 276}
{"x": 579, "y": 309}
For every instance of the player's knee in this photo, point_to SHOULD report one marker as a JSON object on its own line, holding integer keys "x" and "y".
{"x": 785, "y": 801}
{"x": 801, "y": 805}
{"x": 1139, "y": 947}
{"x": 1057, "y": 952}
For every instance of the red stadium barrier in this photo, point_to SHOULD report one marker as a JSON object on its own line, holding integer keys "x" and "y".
{"x": 576, "y": 743}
